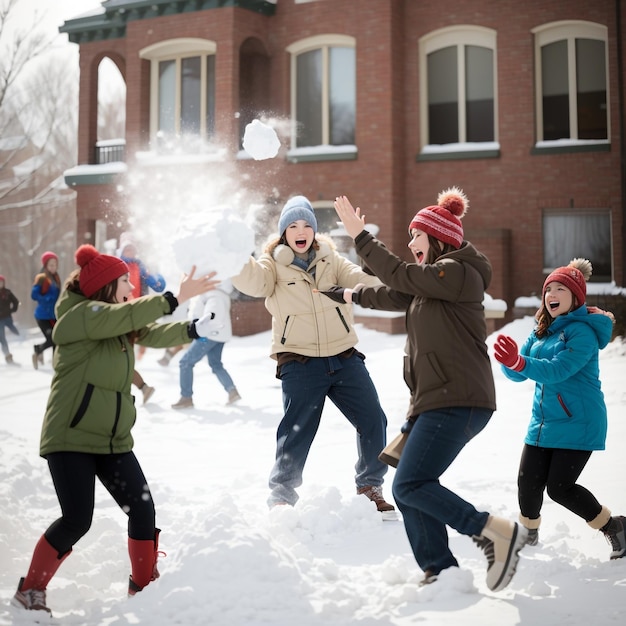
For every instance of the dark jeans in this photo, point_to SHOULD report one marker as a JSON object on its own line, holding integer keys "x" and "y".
{"x": 426, "y": 505}
{"x": 74, "y": 477}
{"x": 555, "y": 470}
{"x": 347, "y": 383}
{"x": 46, "y": 327}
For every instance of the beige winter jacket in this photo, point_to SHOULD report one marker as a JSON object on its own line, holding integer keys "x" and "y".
{"x": 304, "y": 322}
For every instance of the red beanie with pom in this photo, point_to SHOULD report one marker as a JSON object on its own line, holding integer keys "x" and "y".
{"x": 46, "y": 256}
{"x": 97, "y": 270}
{"x": 574, "y": 276}
{"x": 443, "y": 221}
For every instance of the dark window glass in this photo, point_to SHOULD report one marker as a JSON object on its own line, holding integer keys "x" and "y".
{"x": 443, "y": 96}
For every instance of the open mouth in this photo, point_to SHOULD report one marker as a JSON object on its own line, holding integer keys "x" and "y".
{"x": 301, "y": 243}
{"x": 419, "y": 256}
{"x": 553, "y": 306}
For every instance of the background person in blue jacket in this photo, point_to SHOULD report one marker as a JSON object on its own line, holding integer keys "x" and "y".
{"x": 569, "y": 417}
{"x": 45, "y": 291}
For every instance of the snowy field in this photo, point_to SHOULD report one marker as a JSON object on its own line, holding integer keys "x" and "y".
{"x": 330, "y": 560}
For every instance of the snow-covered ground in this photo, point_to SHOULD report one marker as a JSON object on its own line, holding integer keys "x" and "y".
{"x": 330, "y": 560}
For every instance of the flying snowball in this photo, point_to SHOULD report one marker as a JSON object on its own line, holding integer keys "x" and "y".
{"x": 215, "y": 241}
{"x": 260, "y": 141}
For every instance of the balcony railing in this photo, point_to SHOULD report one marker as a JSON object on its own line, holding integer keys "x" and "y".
{"x": 110, "y": 151}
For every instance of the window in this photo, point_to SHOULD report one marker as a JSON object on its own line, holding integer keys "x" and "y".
{"x": 182, "y": 91}
{"x": 569, "y": 234}
{"x": 571, "y": 81}
{"x": 323, "y": 91}
{"x": 458, "y": 86}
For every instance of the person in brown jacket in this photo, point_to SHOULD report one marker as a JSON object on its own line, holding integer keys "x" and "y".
{"x": 449, "y": 375}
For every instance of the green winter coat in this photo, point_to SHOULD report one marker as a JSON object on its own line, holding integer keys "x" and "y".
{"x": 90, "y": 407}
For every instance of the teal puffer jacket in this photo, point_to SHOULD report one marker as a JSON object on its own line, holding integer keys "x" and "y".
{"x": 90, "y": 407}
{"x": 568, "y": 404}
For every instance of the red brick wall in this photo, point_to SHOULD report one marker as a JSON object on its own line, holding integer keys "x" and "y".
{"x": 507, "y": 194}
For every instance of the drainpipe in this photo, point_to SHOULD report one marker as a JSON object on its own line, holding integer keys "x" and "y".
{"x": 622, "y": 133}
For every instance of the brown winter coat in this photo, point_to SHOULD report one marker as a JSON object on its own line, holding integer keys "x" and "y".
{"x": 304, "y": 322}
{"x": 446, "y": 362}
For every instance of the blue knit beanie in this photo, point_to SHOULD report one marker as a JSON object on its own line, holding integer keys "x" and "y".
{"x": 296, "y": 208}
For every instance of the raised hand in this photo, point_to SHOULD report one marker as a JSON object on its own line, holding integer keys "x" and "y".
{"x": 190, "y": 286}
{"x": 352, "y": 220}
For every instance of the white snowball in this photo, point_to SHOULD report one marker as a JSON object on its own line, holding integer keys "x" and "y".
{"x": 260, "y": 141}
{"x": 215, "y": 241}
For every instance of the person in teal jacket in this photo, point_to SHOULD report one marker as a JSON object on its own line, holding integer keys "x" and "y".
{"x": 87, "y": 426}
{"x": 569, "y": 417}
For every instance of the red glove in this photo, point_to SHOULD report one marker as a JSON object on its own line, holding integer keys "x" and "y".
{"x": 507, "y": 353}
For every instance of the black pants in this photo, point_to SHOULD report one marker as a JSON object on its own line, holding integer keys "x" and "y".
{"x": 74, "y": 477}
{"x": 46, "y": 327}
{"x": 555, "y": 470}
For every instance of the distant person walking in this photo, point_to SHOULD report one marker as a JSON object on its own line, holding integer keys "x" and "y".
{"x": 8, "y": 305}
{"x": 45, "y": 292}
{"x": 216, "y": 304}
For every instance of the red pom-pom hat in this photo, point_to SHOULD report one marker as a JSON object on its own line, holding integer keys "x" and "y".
{"x": 97, "y": 270}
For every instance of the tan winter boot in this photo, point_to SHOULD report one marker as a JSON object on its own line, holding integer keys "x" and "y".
{"x": 532, "y": 525}
{"x": 501, "y": 540}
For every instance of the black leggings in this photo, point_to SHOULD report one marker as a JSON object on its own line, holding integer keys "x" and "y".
{"x": 556, "y": 470}
{"x": 74, "y": 477}
{"x": 46, "y": 327}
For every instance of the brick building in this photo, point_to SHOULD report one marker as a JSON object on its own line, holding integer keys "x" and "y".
{"x": 386, "y": 101}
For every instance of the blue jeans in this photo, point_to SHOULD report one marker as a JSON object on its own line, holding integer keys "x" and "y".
{"x": 6, "y": 322}
{"x": 347, "y": 383}
{"x": 427, "y": 507}
{"x": 197, "y": 351}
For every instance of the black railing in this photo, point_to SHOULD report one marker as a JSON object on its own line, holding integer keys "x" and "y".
{"x": 110, "y": 153}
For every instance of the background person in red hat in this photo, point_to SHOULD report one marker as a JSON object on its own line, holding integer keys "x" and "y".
{"x": 87, "y": 426}
{"x": 569, "y": 416}
{"x": 45, "y": 292}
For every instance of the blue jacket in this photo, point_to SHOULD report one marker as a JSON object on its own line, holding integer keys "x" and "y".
{"x": 568, "y": 406}
{"x": 46, "y": 293}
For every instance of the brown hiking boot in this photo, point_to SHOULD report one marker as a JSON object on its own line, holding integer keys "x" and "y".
{"x": 375, "y": 494}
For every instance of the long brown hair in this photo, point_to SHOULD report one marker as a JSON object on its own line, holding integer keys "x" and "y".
{"x": 544, "y": 319}
{"x": 435, "y": 251}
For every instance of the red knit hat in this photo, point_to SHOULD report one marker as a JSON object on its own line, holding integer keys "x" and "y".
{"x": 444, "y": 220}
{"x": 574, "y": 276}
{"x": 97, "y": 270}
{"x": 46, "y": 256}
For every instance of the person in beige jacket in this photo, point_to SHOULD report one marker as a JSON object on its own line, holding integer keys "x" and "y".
{"x": 313, "y": 342}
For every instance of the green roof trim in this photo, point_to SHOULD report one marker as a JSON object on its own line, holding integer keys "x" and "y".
{"x": 111, "y": 24}
{"x": 99, "y": 178}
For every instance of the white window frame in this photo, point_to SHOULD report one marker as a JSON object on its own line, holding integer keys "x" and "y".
{"x": 176, "y": 50}
{"x": 459, "y": 36}
{"x": 568, "y": 30}
{"x": 323, "y": 43}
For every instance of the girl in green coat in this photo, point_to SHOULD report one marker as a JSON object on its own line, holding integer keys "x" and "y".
{"x": 90, "y": 413}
